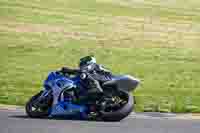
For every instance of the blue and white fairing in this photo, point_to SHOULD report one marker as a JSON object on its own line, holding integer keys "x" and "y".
{"x": 57, "y": 83}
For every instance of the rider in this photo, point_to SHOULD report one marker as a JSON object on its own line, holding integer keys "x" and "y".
{"x": 98, "y": 73}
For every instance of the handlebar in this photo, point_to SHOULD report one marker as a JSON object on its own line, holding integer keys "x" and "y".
{"x": 83, "y": 70}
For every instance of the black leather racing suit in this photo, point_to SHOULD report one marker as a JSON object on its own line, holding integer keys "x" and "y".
{"x": 98, "y": 74}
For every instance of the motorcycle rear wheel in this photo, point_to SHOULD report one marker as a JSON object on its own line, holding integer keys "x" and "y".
{"x": 122, "y": 112}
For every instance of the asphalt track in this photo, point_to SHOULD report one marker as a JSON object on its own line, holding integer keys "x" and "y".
{"x": 15, "y": 121}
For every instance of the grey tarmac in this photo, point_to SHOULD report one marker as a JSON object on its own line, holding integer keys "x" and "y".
{"x": 16, "y": 121}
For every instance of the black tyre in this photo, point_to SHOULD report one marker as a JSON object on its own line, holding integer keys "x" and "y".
{"x": 34, "y": 110}
{"x": 123, "y": 112}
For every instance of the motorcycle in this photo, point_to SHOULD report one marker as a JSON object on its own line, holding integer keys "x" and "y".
{"x": 62, "y": 96}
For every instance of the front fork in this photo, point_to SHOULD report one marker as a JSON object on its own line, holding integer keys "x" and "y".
{"x": 44, "y": 94}
{"x": 42, "y": 97}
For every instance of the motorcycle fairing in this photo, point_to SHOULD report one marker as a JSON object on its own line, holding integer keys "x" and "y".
{"x": 58, "y": 82}
{"x": 67, "y": 109}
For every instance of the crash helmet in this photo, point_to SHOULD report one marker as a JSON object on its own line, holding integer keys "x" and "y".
{"x": 87, "y": 60}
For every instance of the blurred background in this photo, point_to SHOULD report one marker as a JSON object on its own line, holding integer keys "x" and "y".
{"x": 156, "y": 41}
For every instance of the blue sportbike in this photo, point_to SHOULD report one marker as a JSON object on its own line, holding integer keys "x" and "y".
{"x": 66, "y": 96}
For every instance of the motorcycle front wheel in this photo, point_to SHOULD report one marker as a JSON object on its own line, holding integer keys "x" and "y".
{"x": 37, "y": 109}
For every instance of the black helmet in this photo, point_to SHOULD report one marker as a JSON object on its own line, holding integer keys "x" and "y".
{"x": 87, "y": 61}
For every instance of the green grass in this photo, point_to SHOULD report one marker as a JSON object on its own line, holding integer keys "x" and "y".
{"x": 154, "y": 40}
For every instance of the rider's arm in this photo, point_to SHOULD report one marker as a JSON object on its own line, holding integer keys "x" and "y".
{"x": 66, "y": 70}
{"x": 101, "y": 68}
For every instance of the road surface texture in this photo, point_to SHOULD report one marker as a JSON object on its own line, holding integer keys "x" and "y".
{"x": 15, "y": 121}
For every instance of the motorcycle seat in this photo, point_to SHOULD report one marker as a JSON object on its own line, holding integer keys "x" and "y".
{"x": 126, "y": 82}
{"x": 112, "y": 82}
